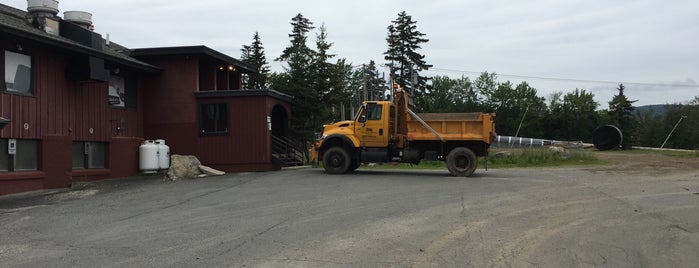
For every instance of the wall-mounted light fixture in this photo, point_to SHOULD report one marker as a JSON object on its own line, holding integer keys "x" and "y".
{"x": 3, "y": 122}
{"x": 231, "y": 68}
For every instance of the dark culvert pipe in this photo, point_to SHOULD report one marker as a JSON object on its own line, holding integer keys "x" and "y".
{"x": 607, "y": 137}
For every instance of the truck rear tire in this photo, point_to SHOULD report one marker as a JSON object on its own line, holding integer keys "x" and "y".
{"x": 461, "y": 162}
{"x": 336, "y": 160}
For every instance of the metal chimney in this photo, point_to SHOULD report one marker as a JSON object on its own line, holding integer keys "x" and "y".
{"x": 82, "y": 18}
{"x": 42, "y": 8}
{"x": 42, "y": 14}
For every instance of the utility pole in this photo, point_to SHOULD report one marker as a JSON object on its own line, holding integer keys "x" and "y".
{"x": 521, "y": 121}
{"x": 365, "y": 82}
{"x": 673, "y": 130}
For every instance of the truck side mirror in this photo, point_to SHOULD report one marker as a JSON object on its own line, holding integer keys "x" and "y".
{"x": 362, "y": 118}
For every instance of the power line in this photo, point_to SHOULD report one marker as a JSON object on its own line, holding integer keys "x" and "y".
{"x": 570, "y": 79}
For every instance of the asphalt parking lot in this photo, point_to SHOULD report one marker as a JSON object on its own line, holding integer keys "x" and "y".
{"x": 551, "y": 217}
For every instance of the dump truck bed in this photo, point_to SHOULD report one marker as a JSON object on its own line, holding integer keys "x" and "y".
{"x": 452, "y": 127}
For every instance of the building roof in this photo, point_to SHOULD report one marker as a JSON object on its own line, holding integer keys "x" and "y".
{"x": 194, "y": 50}
{"x": 244, "y": 93}
{"x": 14, "y": 22}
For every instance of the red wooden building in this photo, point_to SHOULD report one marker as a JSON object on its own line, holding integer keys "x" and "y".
{"x": 198, "y": 106}
{"x": 75, "y": 107}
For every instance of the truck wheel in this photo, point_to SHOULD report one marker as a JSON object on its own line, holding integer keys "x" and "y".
{"x": 336, "y": 160}
{"x": 355, "y": 165}
{"x": 461, "y": 162}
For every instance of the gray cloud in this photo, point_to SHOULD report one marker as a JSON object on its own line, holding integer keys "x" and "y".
{"x": 650, "y": 42}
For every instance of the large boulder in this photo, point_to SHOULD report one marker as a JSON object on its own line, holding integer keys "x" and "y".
{"x": 187, "y": 167}
{"x": 183, "y": 166}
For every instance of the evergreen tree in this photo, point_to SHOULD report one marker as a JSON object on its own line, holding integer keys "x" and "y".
{"x": 404, "y": 41}
{"x": 298, "y": 53}
{"x": 321, "y": 68}
{"x": 341, "y": 84}
{"x": 254, "y": 54}
{"x": 621, "y": 110}
{"x": 371, "y": 82}
{"x": 321, "y": 74}
{"x": 297, "y": 81}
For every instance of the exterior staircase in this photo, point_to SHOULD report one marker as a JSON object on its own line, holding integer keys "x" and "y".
{"x": 288, "y": 153}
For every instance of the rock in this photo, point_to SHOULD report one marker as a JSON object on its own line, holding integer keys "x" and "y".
{"x": 503, "y": 154}
{"x": 557, "y": 150}
{"x": 183, "y": 166}
{"x": 210, "y": 171}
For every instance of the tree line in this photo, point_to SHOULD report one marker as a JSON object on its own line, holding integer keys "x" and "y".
{"x": 327, "y": 88}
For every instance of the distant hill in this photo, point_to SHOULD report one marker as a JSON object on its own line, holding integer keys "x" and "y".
{"x": 659, "y": 109}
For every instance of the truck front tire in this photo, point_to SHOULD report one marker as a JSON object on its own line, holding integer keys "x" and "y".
{"x": 461, "y": 162}
{"x": 355, "y": 165}
{"x": 336, "y": 160}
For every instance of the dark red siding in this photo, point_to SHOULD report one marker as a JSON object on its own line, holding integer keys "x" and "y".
{"x": 61, "y": 107}
{"x": 60, "y": 112}
{"x": 172, "y": 114}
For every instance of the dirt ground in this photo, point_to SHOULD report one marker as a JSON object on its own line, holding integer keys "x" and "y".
{"x": 638, "y": 209}
{"x": 646, "y": 162}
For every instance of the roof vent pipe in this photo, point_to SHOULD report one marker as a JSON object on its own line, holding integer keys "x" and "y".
{"x": 82, "y": 18}
{"x": 42, "y": 8}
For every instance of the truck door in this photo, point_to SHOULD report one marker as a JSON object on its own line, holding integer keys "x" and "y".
{"x": 372, "y": 126}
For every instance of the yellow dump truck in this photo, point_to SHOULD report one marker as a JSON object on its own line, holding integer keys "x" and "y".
{"x": 388, "y": 131}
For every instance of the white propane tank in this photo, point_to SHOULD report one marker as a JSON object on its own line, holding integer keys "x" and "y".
{"x": 163, "y": 154}
{"x": 148, "y": 157}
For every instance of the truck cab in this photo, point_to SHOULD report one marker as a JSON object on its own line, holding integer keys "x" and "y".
{"x": 372, "y": 129}
{"x": 373, "y": 126}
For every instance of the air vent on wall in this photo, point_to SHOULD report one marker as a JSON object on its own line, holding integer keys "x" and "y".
{"x": 87, "y": 69}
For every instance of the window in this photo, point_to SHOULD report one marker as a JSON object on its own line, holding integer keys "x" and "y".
{"x": 89, "y": 155}
{"x": 19, "y": 155}
{"x": 122, "y": 93}
{"x": 374, "y": 111}
{"x": 18, "y": 73}
{"x": 213, "y": 119}
{"x": 117, "y": 91}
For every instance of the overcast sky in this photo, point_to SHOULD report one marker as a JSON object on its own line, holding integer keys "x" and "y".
{"x": 645, "y": 44}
